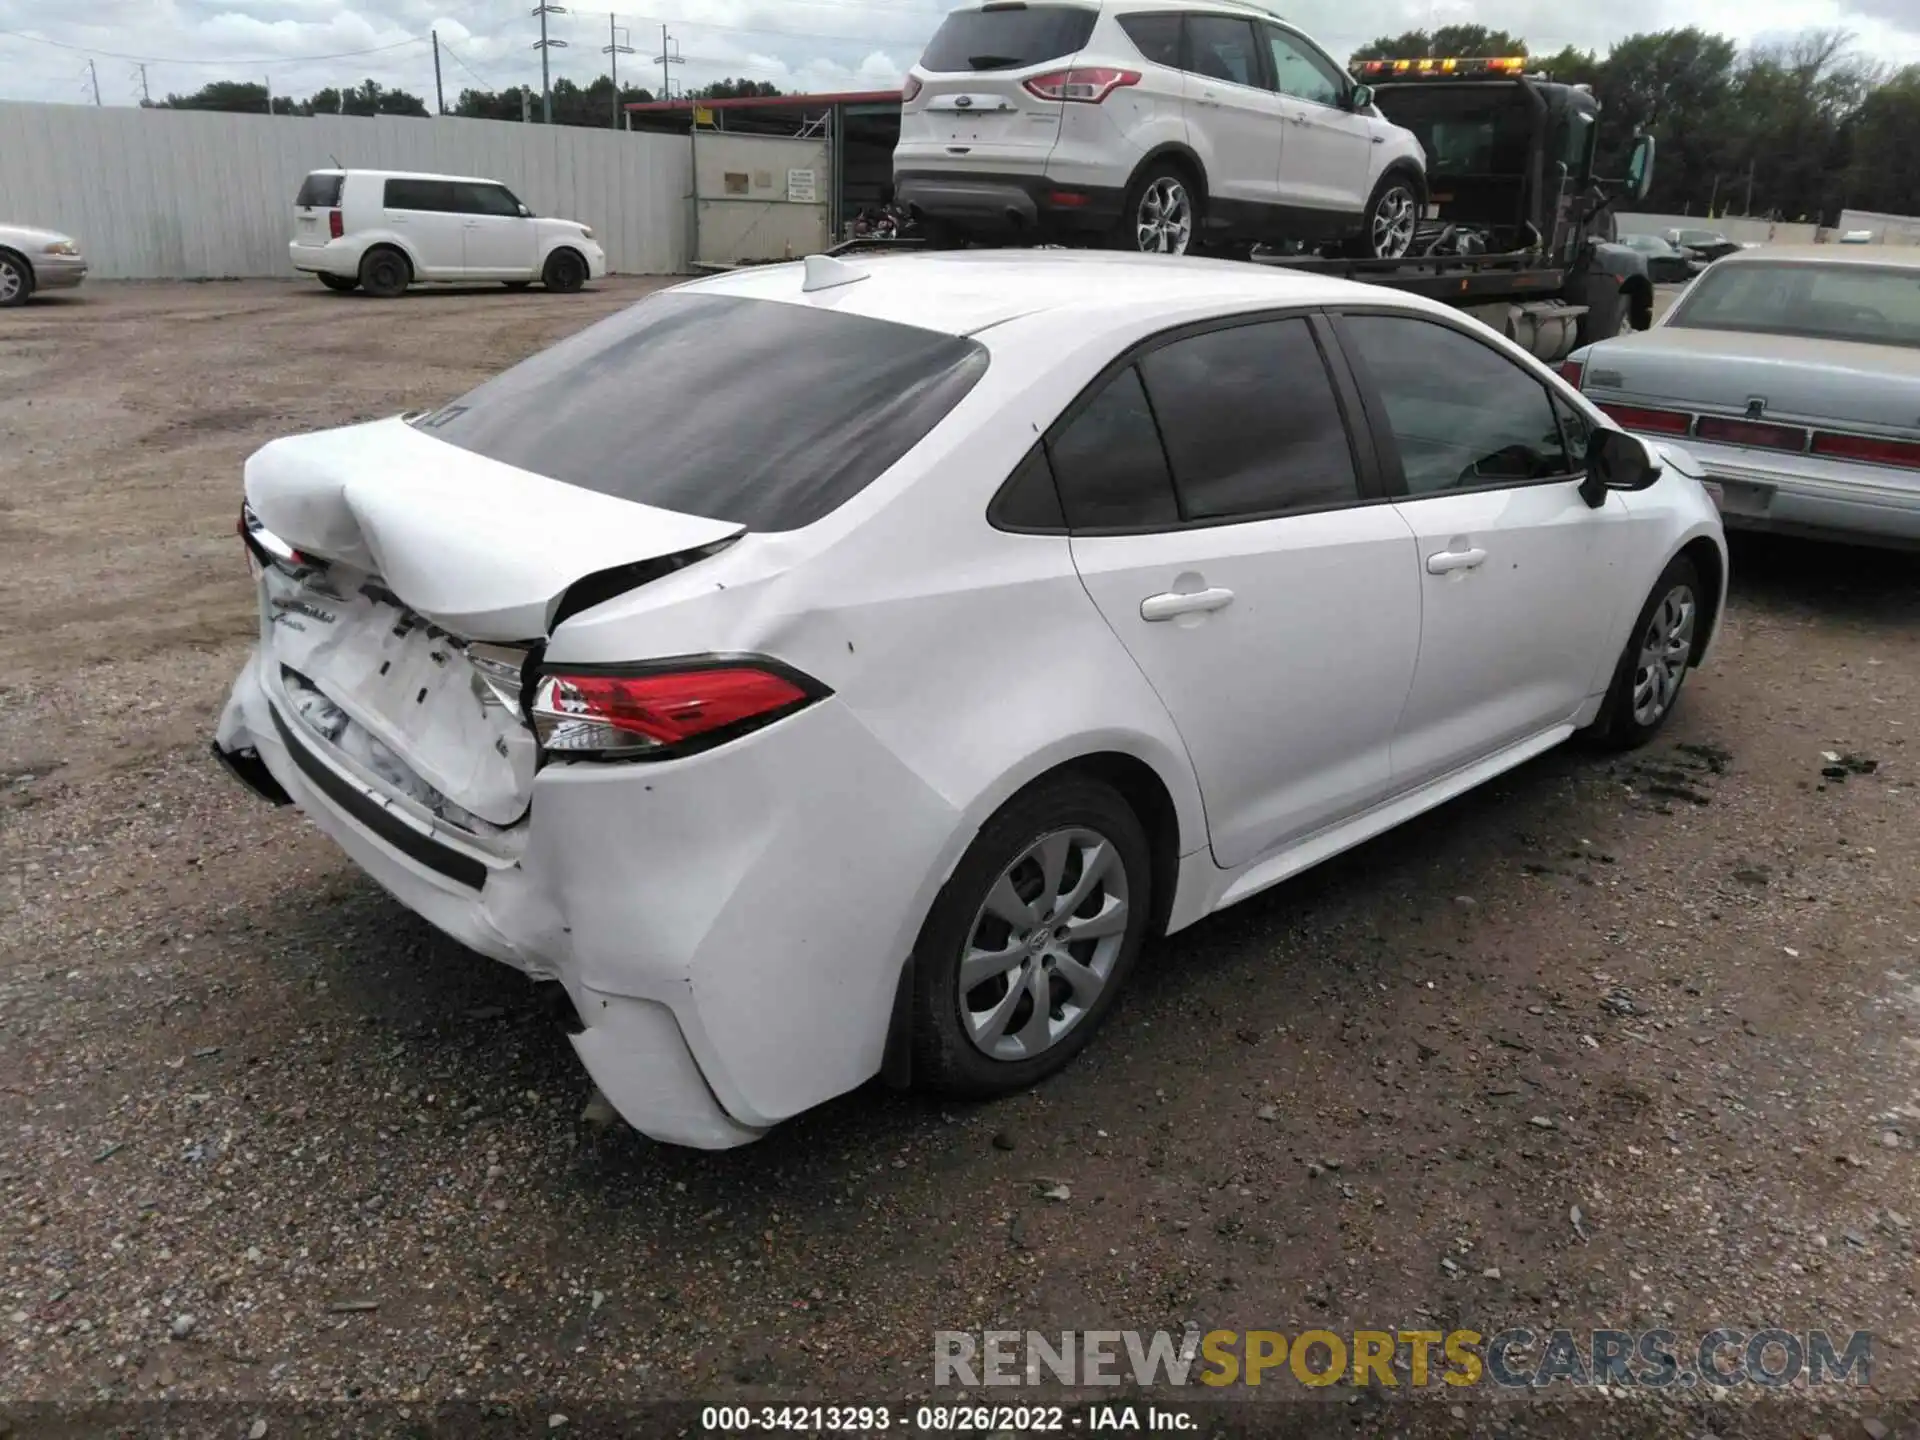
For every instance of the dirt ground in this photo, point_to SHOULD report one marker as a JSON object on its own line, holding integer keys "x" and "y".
{"x": 266, "y": 1135}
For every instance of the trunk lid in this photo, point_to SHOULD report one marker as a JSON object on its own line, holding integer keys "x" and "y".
{"x": 1815, "y": 382}
{"x": 425, "y": 576}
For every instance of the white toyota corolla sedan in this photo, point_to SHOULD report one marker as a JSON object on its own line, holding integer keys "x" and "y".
{"x": 840, "y": 668}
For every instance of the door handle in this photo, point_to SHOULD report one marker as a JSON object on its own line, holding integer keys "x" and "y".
{"x": 1207, "y": 97}
{"x": 1445, "y": 561}
{"x": 1296, "y": 119}
{"x": 1175, "y": 602}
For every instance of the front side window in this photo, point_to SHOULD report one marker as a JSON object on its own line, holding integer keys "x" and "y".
{"x": 766, "y": 414}
{"x": 1250, "y": 422}
{"x": 1462, "y": 415}
{"x": 1221, "y": 48}
{"x": 482, "y": 199}
{"x": 1301, "y": 72}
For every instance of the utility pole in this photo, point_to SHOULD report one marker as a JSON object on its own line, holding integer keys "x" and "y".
{"x": 439, "y": 95}
{"x": 614, "y": 49}
{"x": 146, "y": 95}
{"x": 543, "y": 44}
{"x": 668, "y": 54}
{"x": 93, "y": 73}
{"x": 269, "y": 94}
{"x": 1749, "y": 206}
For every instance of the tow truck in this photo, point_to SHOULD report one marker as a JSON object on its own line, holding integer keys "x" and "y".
{"x": 1518, "y": 229}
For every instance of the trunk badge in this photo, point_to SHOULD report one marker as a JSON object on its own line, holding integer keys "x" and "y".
{"x": 962, "y": 102}
{"x": 1756, "y": 406}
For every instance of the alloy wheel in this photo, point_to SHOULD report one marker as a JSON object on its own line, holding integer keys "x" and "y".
{"x": 12, "y": 282}
{"x": 1393, "y": 223}
{"x": 1043, "y": 944}
{"x": 1665, "y": 648}
{"x": 1163, "y": 221}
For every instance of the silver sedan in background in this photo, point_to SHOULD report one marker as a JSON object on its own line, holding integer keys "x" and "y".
{"x": 1792, "y": 373}
{"x": 33, "y": 260}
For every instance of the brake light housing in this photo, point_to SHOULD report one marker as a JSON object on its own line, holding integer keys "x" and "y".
{"x": 266, "y": 548}
{"x": 1867, "y": 449}
{"x": 1657, "y": 422}
{"x": 1757, "y": 434}
{"x": 1081, "y": 85}
{"x": 336, "y": 226}
{"x": 1571, "y": 371}
{"x": 909, "y": 89}
{"x": 664, "y": 709}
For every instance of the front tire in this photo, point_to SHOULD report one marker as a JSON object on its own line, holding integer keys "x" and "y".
{"x": 566, "y": 272}
{"x": 16, "y": 281}
{"x": 1391, "y": 218}
{"x": 339, "y": 284}
{"x": 1027, "y": 945}
{"x": 1162, "y": 213}
{"x": 1653, "y": 667}
{"x": 385, "y": 273}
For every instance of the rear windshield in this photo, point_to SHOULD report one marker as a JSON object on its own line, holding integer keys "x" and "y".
{"x": 1007, "y": 38}
{"x": 1865, "y": 303}
{"x": 320, "y": 190}
{"x": 758, "y": 412}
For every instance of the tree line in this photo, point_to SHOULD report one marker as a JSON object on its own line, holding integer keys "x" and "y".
{"x": 591, "y": 105}
{"x": 1794, "y": 131}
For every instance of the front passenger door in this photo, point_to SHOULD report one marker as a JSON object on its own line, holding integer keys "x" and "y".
{"x": 1329, "y": 149}
{"x": 1516, "y": 572}
{"x": 1235, "y": 541}
{"x": 500, "y": 241}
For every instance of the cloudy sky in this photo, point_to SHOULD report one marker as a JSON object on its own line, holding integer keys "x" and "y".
{"x": 796, "y": 44}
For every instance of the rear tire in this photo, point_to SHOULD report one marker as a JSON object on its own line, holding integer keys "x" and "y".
{"x": 16, "y": 280}
{"x": 385, "y": 273}
{"x": 339, "y": 284}
{"x": 566, "y": 272}
{"x": 1065, "y": 855}
{"x": 1653, "y": 667}
{"x": 1162, "y": 214}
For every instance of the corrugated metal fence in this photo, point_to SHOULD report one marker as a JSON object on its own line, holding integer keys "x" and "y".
{"x": 188, "y": 195}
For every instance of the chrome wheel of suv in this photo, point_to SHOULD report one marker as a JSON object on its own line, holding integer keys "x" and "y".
{"x": 1163, "y": 217}
{"x": 1390, "y": 222}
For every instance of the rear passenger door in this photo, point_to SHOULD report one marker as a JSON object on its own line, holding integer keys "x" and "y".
{"x": 1234, "y": 118}
{"x": 1232, "y": 533}
{"x": 1520, "y": 579}
{"x": 425, "y": 213}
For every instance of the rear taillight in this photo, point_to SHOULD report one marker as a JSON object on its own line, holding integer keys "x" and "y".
{"x": 266, "y": 548}
{"x": 665, "y": 710}
{"x": 1867, "y": 449}
{"x": 1571, "y": 371}
{"x": 1085, "y": 85}
{"x": 336, "y": 227}
{"x": 1658, "y": 422}
{"x": 909, "y": 88}
{"x": 1755, "y": 433}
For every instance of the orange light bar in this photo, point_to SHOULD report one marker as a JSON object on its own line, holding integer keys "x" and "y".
{"x": 1452, "y": 65}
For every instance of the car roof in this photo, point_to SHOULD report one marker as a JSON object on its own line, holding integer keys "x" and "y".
{"x": 411, "y": 175}
{"x": 962, "y": 292}
{"x": 1902, "y": 257}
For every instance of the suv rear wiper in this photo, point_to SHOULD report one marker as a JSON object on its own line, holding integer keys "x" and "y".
{"x": 992, "y": 62}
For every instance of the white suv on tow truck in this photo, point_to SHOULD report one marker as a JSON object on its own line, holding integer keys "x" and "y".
{"x": 1157, "y": 125}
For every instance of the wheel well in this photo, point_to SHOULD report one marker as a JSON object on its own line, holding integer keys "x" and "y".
{"x": 1146, "y": 793}
{"x": 1180, "y": 154}
{"x": 563, "y": 249}
{"x": 1707, "y": 559}
{"x": 1413, "y": 172}
{"x": 405, "y": 259}
{"x": 13, "y": 254}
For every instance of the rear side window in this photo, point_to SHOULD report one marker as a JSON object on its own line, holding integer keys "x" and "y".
{"x": 1221, "y": 48}
{"x": 1156, "y": 37}
{"x": 765, "y": 414}
{"x": 1007, "y": 37}
{"x": 1108, "y": 464}
{"x": 432, "y": 195}
{"x": 319, "y": 191}
{"x": 1250, "y": 422}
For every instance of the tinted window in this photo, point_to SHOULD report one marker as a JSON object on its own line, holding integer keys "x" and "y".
{"x": 1108, "y": 463}
{"x": 1300, "y": 72}
{"x": 320, "y": 190}
{"x": 1576, "y": 430}
{"x": 1871, "y": 304}
{"x": 1222, "y": 48}
{"x": 432, "y": 195}
{"x": 1462, "y": 415}
{"x": 1029, "y": 501}
{"x": 1007, "y": 39}
{"x": 486, "y": 199}
{"x": 1250, "y": 422}
{"x": 766, "y": 414}
{"x": 1156, "y": 37}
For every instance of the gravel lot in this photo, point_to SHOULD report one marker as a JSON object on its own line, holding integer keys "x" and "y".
{"x": 244, "y": 1091}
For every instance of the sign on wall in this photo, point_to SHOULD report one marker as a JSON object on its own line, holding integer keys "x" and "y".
{"x": 802, "y": 188}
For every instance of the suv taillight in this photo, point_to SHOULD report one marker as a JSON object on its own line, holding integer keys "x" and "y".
{"x": 1571, "y": 371}
{"x": 663, "y": 710}
{"x": 1085, "y": 85}
{"x": 336, "y": 227}
{"x": 909, "y": 88}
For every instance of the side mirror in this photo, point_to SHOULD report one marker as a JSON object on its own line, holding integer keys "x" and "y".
{"x": 1640, "y": 168}
{"x": 526, "y": 211}
{"x": 1359, "y": 98}
{"x": 1616, "y": 461}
